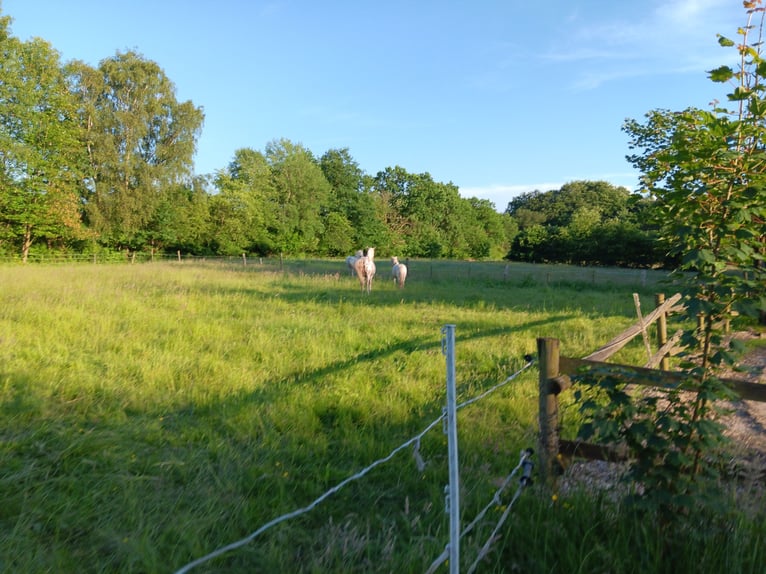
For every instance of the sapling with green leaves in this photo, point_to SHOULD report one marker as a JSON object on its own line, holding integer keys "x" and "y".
{"x": 706, "y": 172}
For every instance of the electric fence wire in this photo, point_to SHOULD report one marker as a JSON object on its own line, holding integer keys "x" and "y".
{"x": 414, "y": 440}
{"x": 529, "y": 362}
{"x": 495, "y": 501}
{"x": 308, "y": 508}
{"x": 526, "y": 480}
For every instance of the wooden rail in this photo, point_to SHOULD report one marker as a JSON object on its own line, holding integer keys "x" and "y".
{"x": 555, "y": 378}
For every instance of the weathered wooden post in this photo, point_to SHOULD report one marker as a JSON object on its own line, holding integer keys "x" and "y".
{"x": 662, "y": 330}
{"x": 548, "y": 444}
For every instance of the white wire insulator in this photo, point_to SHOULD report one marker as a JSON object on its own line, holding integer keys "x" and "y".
{"x": 421, "y": 464}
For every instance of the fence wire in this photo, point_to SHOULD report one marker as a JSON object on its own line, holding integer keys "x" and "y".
{"x": 416, "y": 454}
{"x": 495, "y": 501}
{"x": 525, "y": 481}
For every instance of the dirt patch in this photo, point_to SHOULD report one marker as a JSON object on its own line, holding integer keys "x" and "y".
{"x": 746, "y": 425}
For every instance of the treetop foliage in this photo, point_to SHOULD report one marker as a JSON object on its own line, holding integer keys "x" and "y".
{"x": 102, "y": 158}
{"x": 586, "y": 222}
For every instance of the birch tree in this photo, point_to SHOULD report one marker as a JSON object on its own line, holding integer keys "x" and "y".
{"x": 140, "y": 142}
{"x": 40, "y": 155}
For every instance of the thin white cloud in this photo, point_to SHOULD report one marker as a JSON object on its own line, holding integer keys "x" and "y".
{"x": 688, "y": 13}
{"x": 501, "y": 194}
{"x": 676, "y": 36}
{"x": 508, "y": 190}
{"x": 584, "y": 53}
{"x": 592, "y": 79}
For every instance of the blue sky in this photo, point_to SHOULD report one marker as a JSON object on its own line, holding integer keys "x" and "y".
{"x": 497, "y": 97}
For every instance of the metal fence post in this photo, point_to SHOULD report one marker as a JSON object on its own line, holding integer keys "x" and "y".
{"x": 448, "y": 348}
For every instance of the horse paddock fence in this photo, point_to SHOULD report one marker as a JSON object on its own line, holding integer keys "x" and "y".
{"x": 556, "y": 372}
{"x": 448, "y": 420}
{"x": 423, "y": 270}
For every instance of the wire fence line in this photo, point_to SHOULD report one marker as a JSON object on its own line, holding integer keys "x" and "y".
{"x": 524, "y": 463}
{"x": 422, "y": 269}
{"x": 525, "y": 481}
{"x": 414, "y": 441}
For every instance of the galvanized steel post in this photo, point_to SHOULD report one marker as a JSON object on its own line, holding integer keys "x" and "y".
{"x": 448, "y": 348}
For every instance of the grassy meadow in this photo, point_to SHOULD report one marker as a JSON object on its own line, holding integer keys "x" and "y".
{"x": 152, "y": 413}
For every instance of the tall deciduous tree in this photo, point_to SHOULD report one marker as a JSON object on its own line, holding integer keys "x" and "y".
{"x": 581, "y": 221}
{"x": 300, "y": 197}
{"x": 242, "y": 209}
{"x": 347, "y": 219}
{"x": 181, "y": 221}
{"x": 346, "y": 181}
{"x": 417, "y": 208}
{"x": 39, "y": 146}
{"x": 140, "y": 141}
{"x": 556, "y": 207}
{"x": 485, "y": 231}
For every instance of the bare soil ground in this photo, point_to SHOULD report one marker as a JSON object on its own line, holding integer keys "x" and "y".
{"x": 745, "y": 425}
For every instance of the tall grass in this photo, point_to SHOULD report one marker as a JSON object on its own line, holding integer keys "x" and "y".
{"x": 152, "y": 413}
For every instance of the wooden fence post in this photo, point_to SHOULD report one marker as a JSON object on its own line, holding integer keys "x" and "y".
{"x": 548, "y": 444}
{"x": 662, "y": 331}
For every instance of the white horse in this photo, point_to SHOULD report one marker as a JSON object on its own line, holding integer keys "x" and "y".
{"x": 365, "y": 269}
{"x": 351, "y": 262}
{"x": 398, "y": 272}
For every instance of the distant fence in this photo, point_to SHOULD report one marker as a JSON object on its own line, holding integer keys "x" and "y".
{"x": 113, "y": 257}
{"x": 555, "y": 378}
{"x": 535, "y": 273}
{"x": 419, "y": 269}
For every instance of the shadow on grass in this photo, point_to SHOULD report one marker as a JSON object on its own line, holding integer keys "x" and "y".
{"x": 476, "y": 294}
{"x": 99, "y": 478}
{"x": 271, "y": 391}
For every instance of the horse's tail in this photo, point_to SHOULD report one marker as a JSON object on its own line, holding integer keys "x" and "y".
{"x": 402, "y": 275}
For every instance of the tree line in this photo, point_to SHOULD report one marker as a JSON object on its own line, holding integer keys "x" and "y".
{"x": 101, "y": 159}
{"x": 589, "y": 223}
